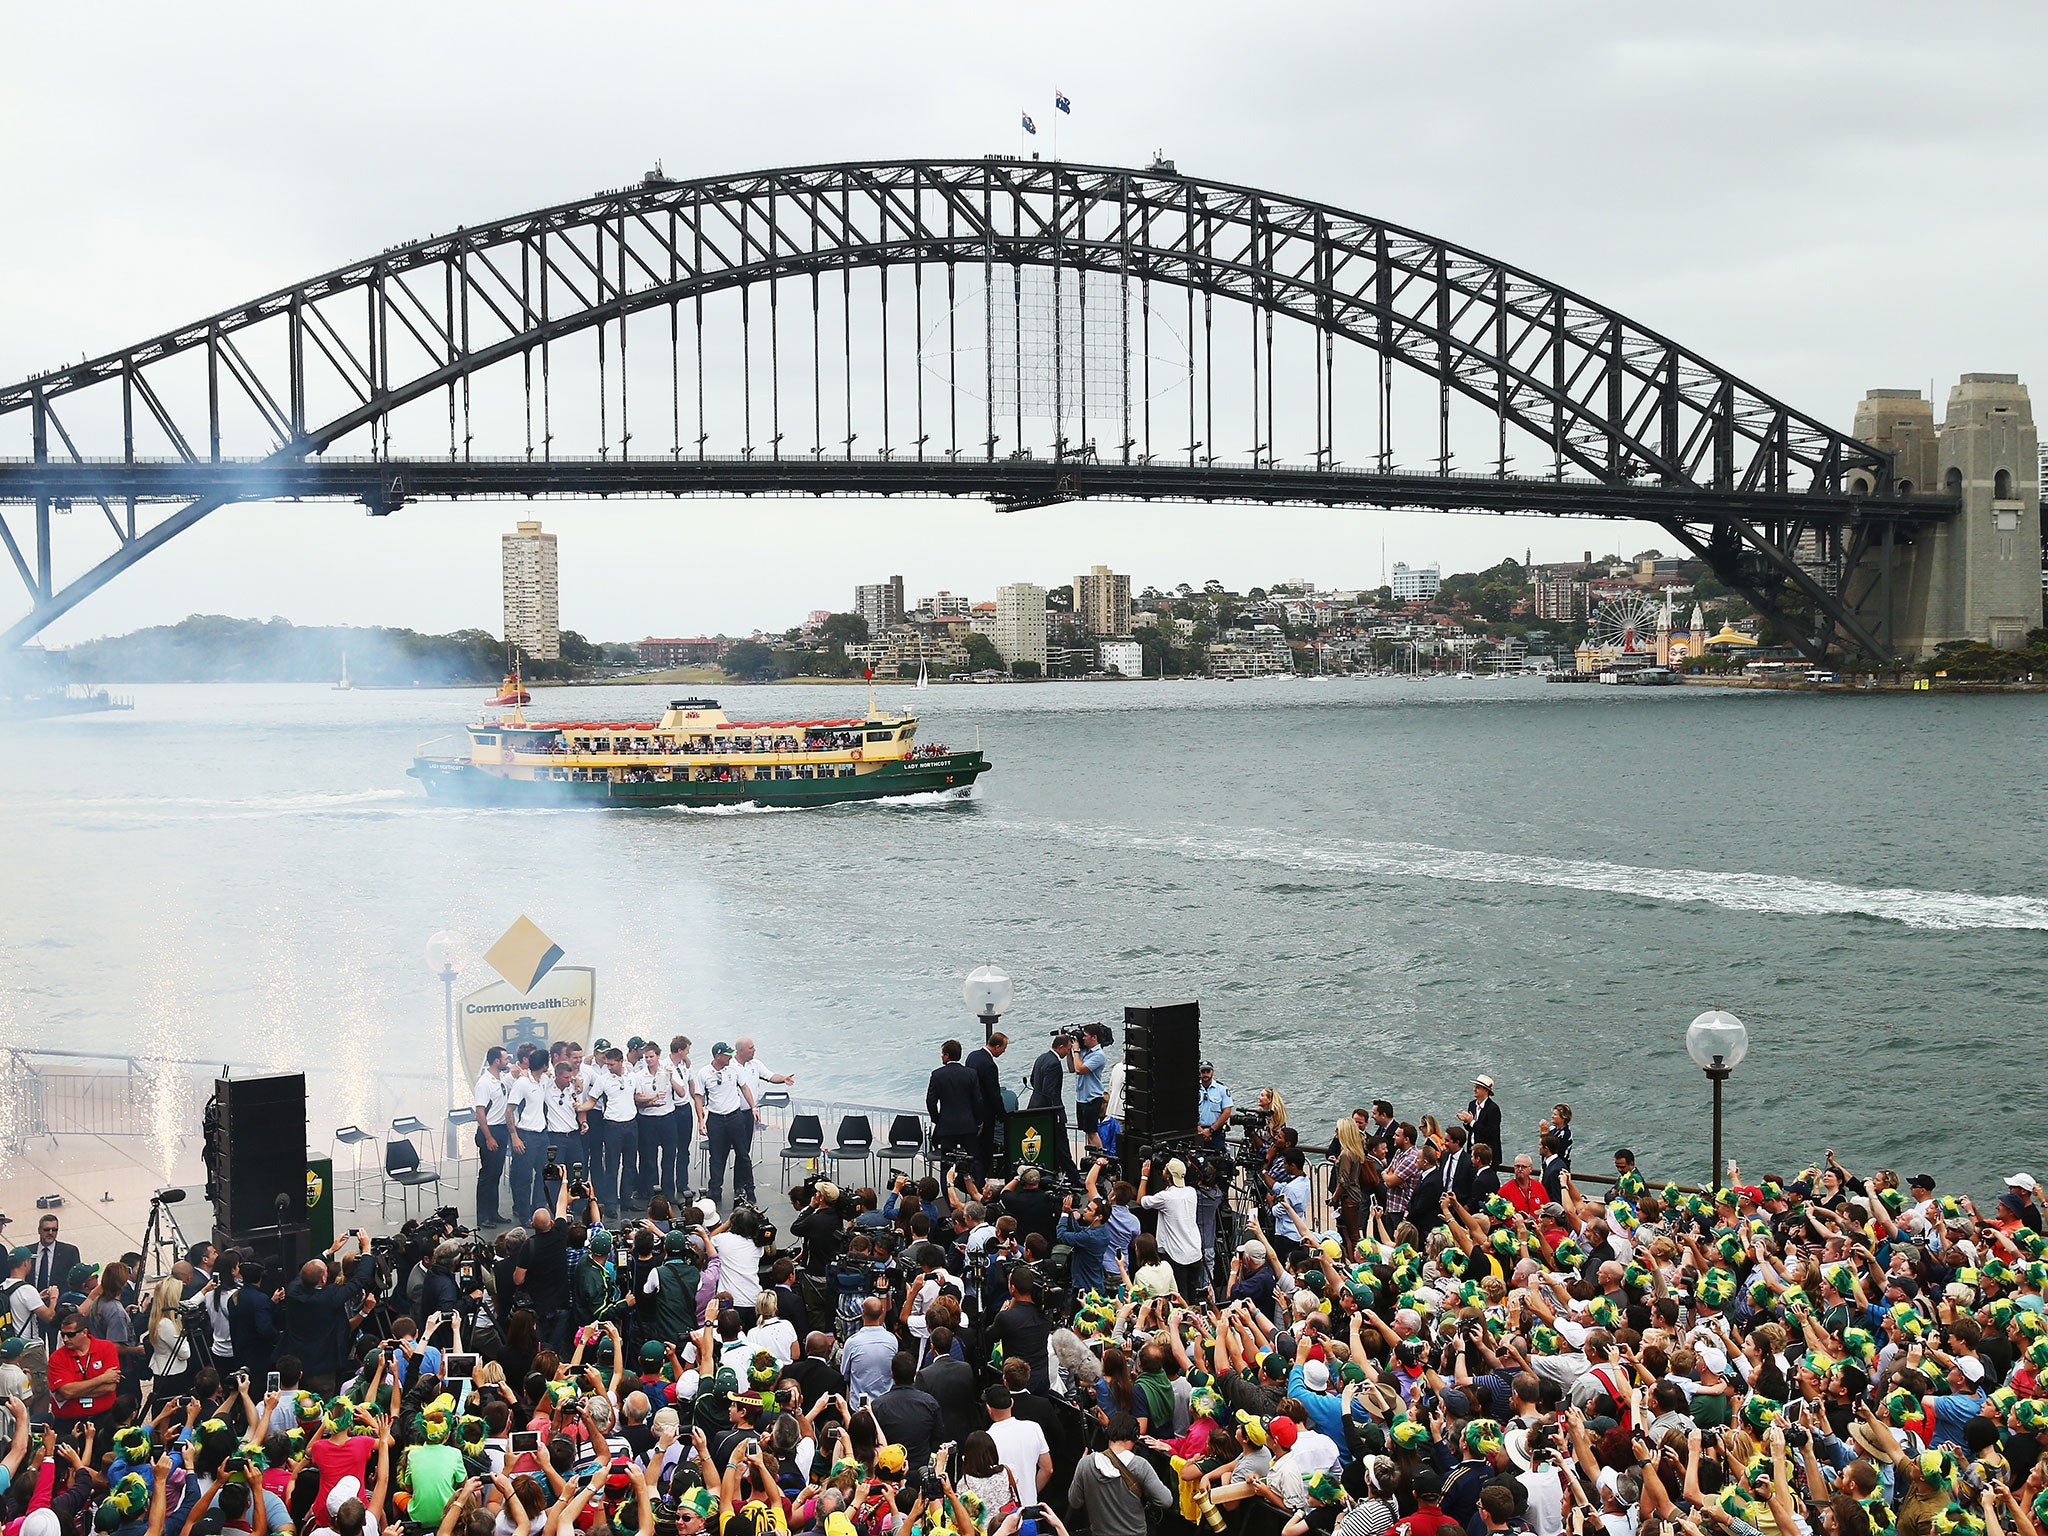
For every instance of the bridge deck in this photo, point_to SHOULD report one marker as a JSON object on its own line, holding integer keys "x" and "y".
{"x": 386, "y": 484}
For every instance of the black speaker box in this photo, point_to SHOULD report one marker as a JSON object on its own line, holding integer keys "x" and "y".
{"x": 255, "y": 1152}
{"x": 1162, "y": 1076}
{"x": 285, "y": 1251}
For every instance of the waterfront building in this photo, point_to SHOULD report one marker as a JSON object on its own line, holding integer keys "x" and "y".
{"x": 903, "y": 648}
{"x": 1260, "y": 651}
{"x": 703, "y": 651}
{"x": 533, "y": 619}
{"x": 1102, "y": 602}
{"x": 1417, "y": 584}
{"x": 1062, "y": 660}
{"x": 881, "y": 604}
{"x": 1125, "y": 657}
{"x": 1019, "y": 632}
{"x": 1232, "y": 660}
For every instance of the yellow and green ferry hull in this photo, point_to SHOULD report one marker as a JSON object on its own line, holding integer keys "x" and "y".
{"x": 460, "y": 781}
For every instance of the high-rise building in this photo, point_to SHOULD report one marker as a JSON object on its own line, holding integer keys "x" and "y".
{"x": 1020, "y": 623}
{"x": 1417, "y": 585}
{"x": 1564, "y": 600}
{"x": 533, "y": 619}
{"x": 880, "y": 604}
{"x": 1102, "y": 602}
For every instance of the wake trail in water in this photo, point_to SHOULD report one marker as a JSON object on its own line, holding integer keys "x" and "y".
{"x": 279, "y": 803}
{"x": 1733, "y": 891}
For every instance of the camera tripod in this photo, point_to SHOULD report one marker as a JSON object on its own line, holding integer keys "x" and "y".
{"x": 163, "y": 1241}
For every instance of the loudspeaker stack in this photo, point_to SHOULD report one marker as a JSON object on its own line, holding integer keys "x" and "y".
{"x": 255, "y": 1155}
{"x": 1162, "y": 1076}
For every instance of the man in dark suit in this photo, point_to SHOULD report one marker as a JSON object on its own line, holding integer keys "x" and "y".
{"x": 981, "y": 1061}
{"x": 1458, "y": 1170}
{"x": 1426, "y": 1200}
{"x": 1485, "y": 1172}
{"x": 953, "y": 1100}
{"x": 51, "y": 1267}
{"x": 1554, "y": 1165}
{"x": 951, "y": 1384}
{"x": 1481, "y": 1117}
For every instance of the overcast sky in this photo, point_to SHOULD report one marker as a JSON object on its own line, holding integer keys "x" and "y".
{"x": 1821, "y": 197}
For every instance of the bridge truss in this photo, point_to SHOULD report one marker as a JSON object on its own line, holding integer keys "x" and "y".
{"x": 1020, "y": 331}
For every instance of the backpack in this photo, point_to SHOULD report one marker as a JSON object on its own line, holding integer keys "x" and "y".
{"x": 7, "y": 1328}
{"x": 1604, "y": 1374}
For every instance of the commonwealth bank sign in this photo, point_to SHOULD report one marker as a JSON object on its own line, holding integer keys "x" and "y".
{"x": 538, "y": 1003}
{"x": 560, "y": 1006}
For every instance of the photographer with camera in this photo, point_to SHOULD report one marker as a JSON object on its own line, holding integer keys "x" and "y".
{"x": 667, "y": 1304}
{"x": 318, "y": 1315}
{"x": 1090, "y": 1066}
{"x": 1179, "y": 1235}
{"x": 1087, "y": 1237}
{"x": 820, "y": 1222}
{"x": 542, "y": 1272}
{"x": 440, "y": 1292}
{"x": 593, "y": 1283}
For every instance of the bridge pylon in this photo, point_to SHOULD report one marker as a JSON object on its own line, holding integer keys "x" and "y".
{"x": 1973, "y": 576}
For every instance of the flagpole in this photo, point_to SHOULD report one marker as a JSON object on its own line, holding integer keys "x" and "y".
{"x": 1056, "y": 114}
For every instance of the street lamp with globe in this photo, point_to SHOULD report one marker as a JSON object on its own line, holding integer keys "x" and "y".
{"x": 989, "y": 994}
{"x": 447, "y": 954}
{"x": 1717, "y": 1041}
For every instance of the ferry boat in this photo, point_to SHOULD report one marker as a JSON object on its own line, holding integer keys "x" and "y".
{"x": 694, "y": 756}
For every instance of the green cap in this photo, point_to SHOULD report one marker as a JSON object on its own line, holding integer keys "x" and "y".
{"x": 600, "y": 1240}
{"x": 676, "y": 1240}
{"x": 652, "y": 1350}
{"x": 721, "y": 1049}
{"x": 600, "y": 1045}
{"x": 21, "y": 1255}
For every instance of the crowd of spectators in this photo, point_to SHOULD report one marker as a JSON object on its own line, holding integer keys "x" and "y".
{"x": 1406, "y": 1325}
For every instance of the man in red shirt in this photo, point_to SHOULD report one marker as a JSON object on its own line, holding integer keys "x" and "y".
{"x": 1525, "y": 1192}
{"x": 85, "y": 1373}
{"x": 1428, "y": 1519}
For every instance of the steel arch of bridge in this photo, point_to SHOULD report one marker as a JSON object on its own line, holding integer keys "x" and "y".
{"x": 1635, "y": 425}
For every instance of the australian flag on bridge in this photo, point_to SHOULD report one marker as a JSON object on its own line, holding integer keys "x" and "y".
{"x": 1059, "y": 99}
{"x": 1029, "y": 126}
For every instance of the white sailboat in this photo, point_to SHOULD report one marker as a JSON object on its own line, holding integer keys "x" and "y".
{"x": 344, "y": 686}
{"x": 923, "y": 681}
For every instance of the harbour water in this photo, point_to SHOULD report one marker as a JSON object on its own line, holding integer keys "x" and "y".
{"x": 1375, "y": 888}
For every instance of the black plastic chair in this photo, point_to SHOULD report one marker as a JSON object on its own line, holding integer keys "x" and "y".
{"x": 402, "y": 1167}
{"x": 855, "y": 1144}
{"x": 806, "y": 1142}
{"x": 905, "y": 1144}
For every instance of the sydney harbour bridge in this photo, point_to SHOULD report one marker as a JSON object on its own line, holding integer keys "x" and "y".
{"x": 1023, "y": 332}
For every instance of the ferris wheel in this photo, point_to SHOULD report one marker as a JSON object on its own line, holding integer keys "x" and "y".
{"x": 1626, "y": 624}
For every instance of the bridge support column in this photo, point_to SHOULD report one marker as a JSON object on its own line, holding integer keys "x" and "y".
{"x": 1977, "y": 575}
